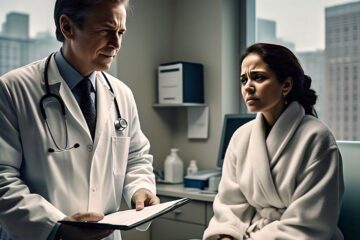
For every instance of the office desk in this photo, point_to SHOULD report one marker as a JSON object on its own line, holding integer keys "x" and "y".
{"x": 187, "y": 222}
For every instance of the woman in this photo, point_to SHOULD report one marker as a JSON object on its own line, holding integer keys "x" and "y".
{"x": 282, "y": 174}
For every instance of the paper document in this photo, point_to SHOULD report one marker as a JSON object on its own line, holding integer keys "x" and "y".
{"x": 128, "y": 219}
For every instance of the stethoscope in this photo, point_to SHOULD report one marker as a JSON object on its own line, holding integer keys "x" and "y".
{"x": 120, "y": 123}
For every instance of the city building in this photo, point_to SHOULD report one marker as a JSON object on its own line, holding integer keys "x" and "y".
{"x": 17, "y": 48}
{"x": 313, "y": 63}
{"x": 14, "y": 42}
{"x": 16, "y": 25}
{"x": 342, "y": 69}
{"x": 266, "y": 32}
{"x": 13, "y": 53}
{"x": 42, "y": 45}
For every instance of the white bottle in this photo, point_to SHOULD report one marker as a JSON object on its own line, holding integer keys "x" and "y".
{"x": 192, "y": 168}
{"x": 174, "y": 167}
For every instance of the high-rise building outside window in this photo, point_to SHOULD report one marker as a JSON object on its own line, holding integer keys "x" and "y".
{"x": 26, "y": 34}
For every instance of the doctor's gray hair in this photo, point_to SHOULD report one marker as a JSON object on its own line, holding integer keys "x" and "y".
{"x": 285, "y": 65}
{"x": 76, "y": 10}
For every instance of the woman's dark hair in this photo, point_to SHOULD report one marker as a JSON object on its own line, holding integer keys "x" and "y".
{"x": 285, "y": 65}
{"x": 76, "y": 10}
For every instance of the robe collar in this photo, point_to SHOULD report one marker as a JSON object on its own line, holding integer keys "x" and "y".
{"x": 263, "y": 152}
{"x": 283, "y": 130}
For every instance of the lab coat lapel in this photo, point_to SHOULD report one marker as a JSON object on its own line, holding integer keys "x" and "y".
{"x": 283, "y": 130}
{"x": 58, "y": 86}
{"x": 258, "y": 155}
{"x": 104, "y": 102}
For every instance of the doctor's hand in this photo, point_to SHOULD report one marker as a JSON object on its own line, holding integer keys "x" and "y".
{"x": 143, "y": 198}
{"x": 68, "y": 232}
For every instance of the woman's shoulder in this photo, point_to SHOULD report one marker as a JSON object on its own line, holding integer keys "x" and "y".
{"x": 315, "y": 134}
{"x": 315, "y": 127}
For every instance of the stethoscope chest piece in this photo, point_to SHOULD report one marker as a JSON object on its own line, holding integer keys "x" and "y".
{"x": 120, "y": 124}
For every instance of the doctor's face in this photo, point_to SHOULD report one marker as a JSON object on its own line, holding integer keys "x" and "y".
{"x": 261, "y": 90}
{"x": 94, "y": 46}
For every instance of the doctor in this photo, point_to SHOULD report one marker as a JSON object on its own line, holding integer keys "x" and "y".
{"x": 70, "y": 139}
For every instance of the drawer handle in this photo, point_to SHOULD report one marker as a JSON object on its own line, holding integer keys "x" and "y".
{"x": 177, "y": 211}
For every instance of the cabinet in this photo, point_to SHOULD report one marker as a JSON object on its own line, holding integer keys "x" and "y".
{"x": 186, "y": 222}
{"x": 133, "y": 233}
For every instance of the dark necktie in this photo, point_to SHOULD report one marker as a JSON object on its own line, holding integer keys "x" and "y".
{"x": 82, "y": 94}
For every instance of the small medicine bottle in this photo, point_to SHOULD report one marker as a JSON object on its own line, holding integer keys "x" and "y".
{"x": 192, "y": 168}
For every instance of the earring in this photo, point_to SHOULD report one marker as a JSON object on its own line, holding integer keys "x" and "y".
{"x": 284, "y": 97}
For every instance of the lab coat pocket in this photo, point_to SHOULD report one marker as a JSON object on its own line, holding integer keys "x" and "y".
{"x": 120, "y": 151}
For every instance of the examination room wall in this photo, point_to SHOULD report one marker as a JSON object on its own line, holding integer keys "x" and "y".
{"x": 146, "y": 44}
{"x": 207, "y": 32}
{"x": 204, "y": 31}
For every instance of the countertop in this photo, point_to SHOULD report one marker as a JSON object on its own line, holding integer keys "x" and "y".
{"x": 178, "y": 190}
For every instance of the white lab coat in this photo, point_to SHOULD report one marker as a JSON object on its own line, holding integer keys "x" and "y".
{"x": 38, "y": 188}
{"x": 287, "y": 185}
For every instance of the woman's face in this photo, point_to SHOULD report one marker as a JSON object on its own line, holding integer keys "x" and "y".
{"x": 261, "y": 90}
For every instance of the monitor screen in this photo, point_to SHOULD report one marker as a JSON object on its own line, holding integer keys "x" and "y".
{"x": 231, "y": 123}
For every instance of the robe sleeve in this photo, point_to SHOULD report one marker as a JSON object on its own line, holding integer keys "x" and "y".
{"x": 314, "y": 209}
{"x": 232, "y": 212}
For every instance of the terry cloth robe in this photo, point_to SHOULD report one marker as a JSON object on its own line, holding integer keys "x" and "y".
{"x": 287, "y": 186}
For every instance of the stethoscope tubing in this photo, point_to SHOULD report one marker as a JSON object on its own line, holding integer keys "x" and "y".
{"x": 120, "y": 124}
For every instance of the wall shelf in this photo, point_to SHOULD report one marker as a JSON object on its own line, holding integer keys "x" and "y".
{"x": 167, "y": 105}
{"x": 197, "y": 118}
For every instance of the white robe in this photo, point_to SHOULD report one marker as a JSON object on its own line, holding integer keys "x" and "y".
{"x": 286, "y": 186}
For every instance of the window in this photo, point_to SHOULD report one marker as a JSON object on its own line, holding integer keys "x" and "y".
{"x": 27, "y": 33}
{"x": 326, "y": 42}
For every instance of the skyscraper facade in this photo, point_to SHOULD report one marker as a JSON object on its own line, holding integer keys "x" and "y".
{"x": 13, "y": 53}
{"x": 266, "y": 32}
{"x": 16, "y": 25}
{"x": 313, "y": 63}
{"x": 17, "y": 48}
{"x": 342, "y": 70}
{"x": 14, "y": 42}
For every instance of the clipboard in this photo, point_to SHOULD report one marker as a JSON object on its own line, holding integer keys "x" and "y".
{"x": 132, "y": 218}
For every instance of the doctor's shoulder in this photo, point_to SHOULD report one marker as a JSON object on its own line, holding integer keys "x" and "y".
{"x": 30, "y": 72}
{"x": 118, "y": 85}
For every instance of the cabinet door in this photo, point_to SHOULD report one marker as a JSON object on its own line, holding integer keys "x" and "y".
{"x": 133, "y": 233}
{"x": 209, "y": 212}
{"x": 193, "y": 212}
{"x": 166, "y": 229}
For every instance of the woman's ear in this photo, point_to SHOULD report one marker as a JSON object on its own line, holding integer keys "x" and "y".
{"x": 67, "y": 27}
{"x": 287, "y": 86}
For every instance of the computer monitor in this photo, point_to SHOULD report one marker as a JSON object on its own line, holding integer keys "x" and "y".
{"x": 231, "y": 123}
